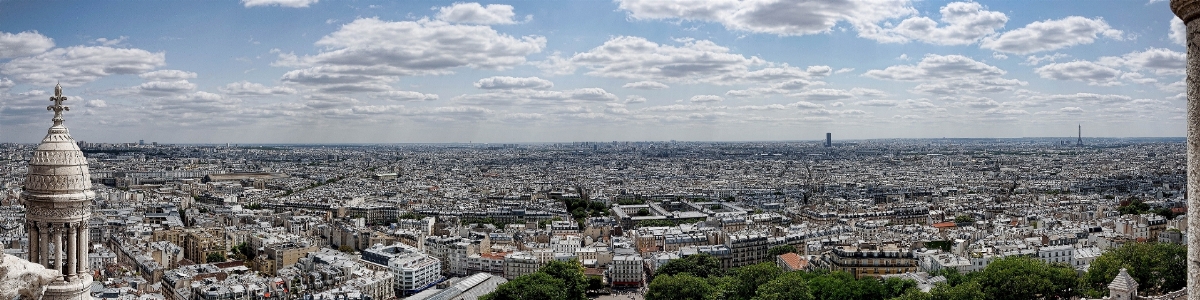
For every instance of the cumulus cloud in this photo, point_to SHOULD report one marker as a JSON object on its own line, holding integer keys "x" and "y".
{"x": 635, "y": 99}
{"x": 646, "y": 85}
{"x": 780, "y": 17}
{"x": 6, "y": 83}
{"x": 77, "y": 65}
{"x": 963, "y": 23}
{"x": 1052, "y": 35}
{"x": 637, "y": 58}
{"x": 537, "y": 97}
{"x": 1178, "y": 32}
{"x": 246, "y": 88}
{"x": 474, "y": 13}
{"x": 372, "y": 51}
{"x": 824, "y": 94}
{"x": 949, "y": 74}
{"x": 1086, "y": 71}
{"x": 23, "y": 44}
{"x": 165, "y": 88}
{"x": 506, "y": 82}
{"x": 706, "y": 99}
{"x": 1160, "y": 61}
{"x": 96, "y": 103}
{"x": 282, "y": 3}
{"x": 167, "y": 75}
{"x": 405, "y": 96}
{"x": 1034, "y": 60}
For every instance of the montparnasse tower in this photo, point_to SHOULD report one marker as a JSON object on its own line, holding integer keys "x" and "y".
{"x": 57, "y": 198}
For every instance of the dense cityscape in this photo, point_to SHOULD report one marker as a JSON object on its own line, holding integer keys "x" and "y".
{"x": 599, "y": 149}
{"x": 442, "y": 221}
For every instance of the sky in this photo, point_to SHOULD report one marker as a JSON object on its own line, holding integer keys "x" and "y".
{"x": 321, "y": 71}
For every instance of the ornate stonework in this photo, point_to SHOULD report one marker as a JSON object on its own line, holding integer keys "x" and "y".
{"x": 57, "y": 198}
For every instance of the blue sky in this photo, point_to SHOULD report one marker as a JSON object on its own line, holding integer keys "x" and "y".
{"x": 304, "y": 71}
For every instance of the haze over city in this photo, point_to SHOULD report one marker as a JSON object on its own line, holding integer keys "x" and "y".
{"x": 301, "y": 71}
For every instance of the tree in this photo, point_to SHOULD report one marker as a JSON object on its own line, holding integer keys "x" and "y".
{"x": 895, "y": 287}
{"x": 642, "y": 212}
{"x": 346, "y": 249}
{"x": 699, "y": 265}
{"x": 749, "y": 278}
{"x": 790, "y": 285}
{"x": 970, "y": 290}
{"x": 964, "y": 219}
{"x": 215, "y": 257}
{"x": 1018, "y": 277}
{"x": 1157, "y": 267}
{"x": 781, "y": 249}
{"x": 1135, "y": 207}
{"x": 530, "y": 286}
{"x": 571, "y": 273}
{"x": 681, "y": 286}
{"x": 831, "y": 285}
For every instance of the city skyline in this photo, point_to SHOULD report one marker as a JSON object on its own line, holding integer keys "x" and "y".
{"x": 494, "y": 72}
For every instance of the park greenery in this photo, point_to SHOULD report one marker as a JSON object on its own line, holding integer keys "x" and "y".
{"x": 557, "y": 280}
{"x": 1136, "y": 206}
{"x": 1158, "y": 267}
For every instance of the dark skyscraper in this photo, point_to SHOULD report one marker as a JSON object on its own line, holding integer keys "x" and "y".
{"x": 1080, "y": 141}
{"x": 828, "y": 139}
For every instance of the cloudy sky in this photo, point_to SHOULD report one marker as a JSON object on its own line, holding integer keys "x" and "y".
{"x": 304, "y": 71}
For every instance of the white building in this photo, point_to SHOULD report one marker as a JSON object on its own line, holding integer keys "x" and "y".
{"x": 626, "y": 270}
{"x": 1057, "y": 254}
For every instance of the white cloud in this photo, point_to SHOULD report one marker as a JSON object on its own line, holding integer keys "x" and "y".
{"x": 949, "y": 74}
{"x": 23, "y": 44}
{"x": 77, "y": 65}
{"x": 706, "y": 99}
{"x": 506, "y": 82}
{"x": 374, "y": 52}
{"x": 165, "y": 88}
{"x": 843, "y": 70}
{"x": 1034, "y": 60}
{"x": 474, "y": 13}
{"x": 824, "y": 94}
{"x": 246, "y": 88}
{"x": 637, "y": 58}
{"x": 780, "y": 17}
{"x": 1086, "y": 71}
{"x": 1051, "y": 35}
{"x": 819, "y": 70}
{"x": 937, "y": 66}
{"x": 1161, "y": 61}
{"x": 635, "y": 99}
{"x": 1071, "y": 110}
{"x": 1000, "y": 56}
{"x": 111, "y": 42}
{"x": 646, "y": 85}
{"x": 282, "y": 3}
{"x": 963, "y": 23}
{"x": 1178, "y": 32}
{"x": 537, "y": 97}
{"x": 405, "y": 96}
{"x": 96, "y": 103}
{"x": 167, "y": 75}
{"x": 6, "y": 83}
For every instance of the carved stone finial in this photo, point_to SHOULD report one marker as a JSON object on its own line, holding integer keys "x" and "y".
{"x": 58, "y": 108}
{"x": 1186, "y": 10}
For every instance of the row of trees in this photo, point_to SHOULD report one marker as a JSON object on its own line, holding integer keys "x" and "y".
{"x": 701, "y": 277}
{"x": 557, "y": 280}
{"x": 1158, "y": 268}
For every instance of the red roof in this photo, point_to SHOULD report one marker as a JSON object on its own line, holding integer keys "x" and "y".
{"x": 794, "y": 261}
{"x": 945, "y": 225}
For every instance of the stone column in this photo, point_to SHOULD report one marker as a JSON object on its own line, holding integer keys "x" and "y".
{"x": 1189, "y": 11}
{"x": 84, "y": 248}
{"x": 58, "y": 247}
{"x": 44, "y": 244}
{"x": 34, "y": 242}
{"x": 72, "y": 251}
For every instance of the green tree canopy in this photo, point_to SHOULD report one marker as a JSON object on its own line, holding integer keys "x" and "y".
{"x": 530, "y": 286}
{"x": 781, "y": 249}
{"x": 214, "y": 257}
{"x": 699, "y": 265}
{"x": 970, "y": 290}
{"x": 683, "y": 286}
{"x": 1017, "y": 277}
{"x": 789, "y": 285}
{"x": 1157, "y": 267}
{"x": 749, "y": 278}
{"x": 571, "y": 273}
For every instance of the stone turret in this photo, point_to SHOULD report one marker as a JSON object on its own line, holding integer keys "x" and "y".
{"x": 57, "y": 198}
